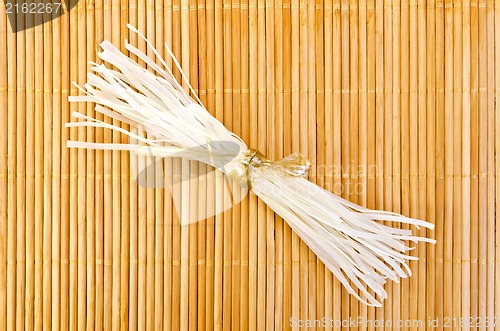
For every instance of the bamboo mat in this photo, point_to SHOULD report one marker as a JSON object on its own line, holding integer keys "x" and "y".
{"x": 394, "y": 102}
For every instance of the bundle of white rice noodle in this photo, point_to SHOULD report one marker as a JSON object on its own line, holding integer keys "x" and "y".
{"x": 350, "y": 240}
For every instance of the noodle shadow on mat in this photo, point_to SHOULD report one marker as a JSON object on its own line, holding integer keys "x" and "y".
{"x": 26, "y": 14}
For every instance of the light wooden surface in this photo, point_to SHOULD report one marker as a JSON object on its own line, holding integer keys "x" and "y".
{"x": 394, "y": 102}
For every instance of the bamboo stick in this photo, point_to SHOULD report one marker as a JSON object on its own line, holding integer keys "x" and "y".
{"x": 352, "y": 100}
{"x": 270, "y": 150}
{"x": 117, "y": 201}
{"x": 194, "y": 173}
{"x": 171, "y": 219}
{"x": 169, "y": 210}
{"x": 474, "y": 72}
{"x": 39, "y": 185}
{"x": 82, "y": 175}
{"x": 388, "y": 130}
{"x": 422, "y": 149}
{"x": 211, "y": 106}
{"x": 160, "y": 211}
{"x": 141, "y": 255}
{"x": 497, "y": 157}
{"x": 440, "y": 160}
{"x": 320, "y": 137}
{"x": 132, "y": 311}
{"x": 278, "y": 321}
{"x": 12, "y": 178}
{"x": 252, "y": 219}
{"x": 328, "y": 141}
{"x": 261, "y": 144}
{"x": 242, "y": 34}
{"x": 56, "y": 175}
{"x": 210, "y": 257}
{"x": 405, "y": 137}
{"x": 311, "y": 132}
{"x": 430, "y": 308}
{"x": 128, "y": 202}
{"x": 362, "y": 165}
{"x": 220, "y": 299}
{"x": 353, "y": 120}
{"x": 295, "y": 110}
{"x": 413, "y": 147}
{"x": 288, "y": 263}
{"x": 100, "y": 195}
{"x": 449, "y": 156}
{"x": 482, "y": 160}
{"x": 122, "y": 253}
{"x": 203, "y": 172}
{"x": 20, "y": 239}
{"x": 200, "y": 304}
{"x": 337, "y": 133}
{"x": 185, "y": 45}
{"x": 159, "y": 249}
{"x": 379, "y": 116}
{"x": 150, "y": 194}
{"x": 457, "y": 164}
{"x": 370, "y": 116}
{"x": 466, "y": 166}
{"x": 142, "y": 202}
{"x": 167, "y": 253}
{"x": 91, "y": 189}
{"x": 395, "y": 313}
{"x": 361, "y": 168}
{"x": 104, "y": 317}
{"x": 303, "y": 145}
{"x": 4, "y": 169}
{"x": 47, "y": 174}
{"x": 490, "y": 258}
{"x": 394, "y": 96}
{"x": 192, "y": 244}
{"x": 227, "y": 94}
{"x": 30, "y": 177}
